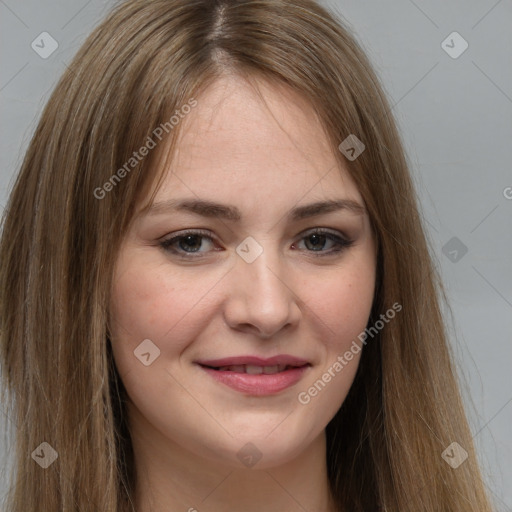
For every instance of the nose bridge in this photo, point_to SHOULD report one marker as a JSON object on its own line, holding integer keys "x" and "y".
{"x": 265, "y": 276}
{"x": 260, "y": 296}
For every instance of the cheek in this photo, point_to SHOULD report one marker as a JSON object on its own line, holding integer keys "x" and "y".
{"x": 341, "y": 306}
{"x": 342, "y": 302}
{"x": 153, "y": 302}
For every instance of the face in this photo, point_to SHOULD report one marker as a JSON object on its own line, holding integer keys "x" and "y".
{"x": 240, "y": 288}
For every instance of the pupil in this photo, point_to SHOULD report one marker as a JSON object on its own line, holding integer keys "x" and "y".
{"x": 189, "y": 241}
{"x": 317, "y": 238}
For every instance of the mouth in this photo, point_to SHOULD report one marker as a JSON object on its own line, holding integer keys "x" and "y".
{"x": 256, "y": 376}
{"x": 253, "y": 369}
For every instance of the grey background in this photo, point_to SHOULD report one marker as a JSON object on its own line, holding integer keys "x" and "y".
{"x": 455, "y": 116}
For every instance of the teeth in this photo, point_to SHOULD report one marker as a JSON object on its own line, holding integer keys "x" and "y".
{"x": 269, "y": 370}
{"x": 239, "y": 368}
{"x": 253, "y": 369}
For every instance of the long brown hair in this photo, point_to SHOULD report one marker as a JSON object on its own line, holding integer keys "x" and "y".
{"x": 63, "y": 226}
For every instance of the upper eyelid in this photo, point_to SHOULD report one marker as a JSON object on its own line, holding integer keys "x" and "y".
{"x": 208, "y": 234}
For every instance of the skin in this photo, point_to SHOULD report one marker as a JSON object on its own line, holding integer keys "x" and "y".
{"x": 265, "y": 158}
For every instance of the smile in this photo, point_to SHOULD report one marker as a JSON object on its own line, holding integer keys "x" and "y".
{"x": 256, "y": 376}
{"x": 253, "y": 369}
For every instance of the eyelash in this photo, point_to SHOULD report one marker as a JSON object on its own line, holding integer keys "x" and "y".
{"x": 341, "y": 242}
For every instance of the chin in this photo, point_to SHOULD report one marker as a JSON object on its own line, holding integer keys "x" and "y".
{"x": 262, "y": 448}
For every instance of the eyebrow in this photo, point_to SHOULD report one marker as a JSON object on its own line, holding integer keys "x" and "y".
{"x": 212, "y": 209}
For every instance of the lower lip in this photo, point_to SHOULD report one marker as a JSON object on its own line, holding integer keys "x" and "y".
{"x": 260, "y": 384}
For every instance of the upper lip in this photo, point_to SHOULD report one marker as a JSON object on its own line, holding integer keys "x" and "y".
{"x": 282, "y": 359}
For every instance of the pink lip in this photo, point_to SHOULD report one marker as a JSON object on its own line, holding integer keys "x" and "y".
{"x": 258, "y": 361}
{"x": 260, "y": 384}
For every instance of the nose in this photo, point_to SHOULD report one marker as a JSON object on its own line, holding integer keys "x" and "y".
{"x": 260, "y": 297}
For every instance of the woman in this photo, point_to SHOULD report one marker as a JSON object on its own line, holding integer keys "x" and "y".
{"x": 216, "y": 288}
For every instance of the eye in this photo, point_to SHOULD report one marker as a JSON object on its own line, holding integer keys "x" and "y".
{"x": 316, "y": 240}
{"x": 189, "y": 244}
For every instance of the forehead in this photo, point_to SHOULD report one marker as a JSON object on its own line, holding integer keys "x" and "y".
{"x": 257, "y": 143}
